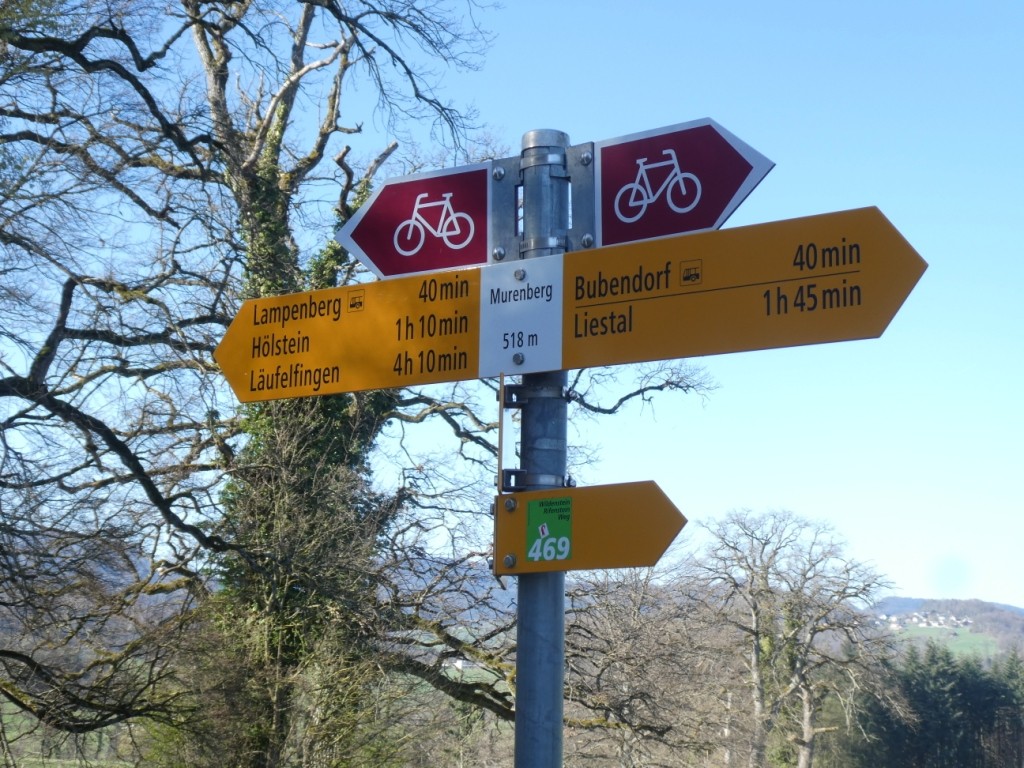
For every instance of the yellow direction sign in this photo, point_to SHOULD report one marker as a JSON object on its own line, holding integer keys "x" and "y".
{"x": 393, "y": 333}
{"x": 833, "y": 277}
{"x": 628, "y": 525}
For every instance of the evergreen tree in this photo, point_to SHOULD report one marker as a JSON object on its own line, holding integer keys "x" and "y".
{"x": 960, "y": 714}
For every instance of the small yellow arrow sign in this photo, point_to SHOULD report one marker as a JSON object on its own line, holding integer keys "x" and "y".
{"x": 628, "y": 525}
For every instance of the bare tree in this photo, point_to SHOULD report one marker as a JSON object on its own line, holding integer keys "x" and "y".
{"x": 644, "y": 670}
{"x": 797, "y": 605}
{"x": 161, "y": 161}
{"x": 155, "y": 163}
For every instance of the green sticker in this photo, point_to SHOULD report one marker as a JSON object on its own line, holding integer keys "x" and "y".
{"x": 549, "y": 529}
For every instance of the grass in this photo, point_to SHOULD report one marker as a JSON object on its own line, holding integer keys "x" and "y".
{"x": 960, "y": 642}
{"x": 29, "y": 743}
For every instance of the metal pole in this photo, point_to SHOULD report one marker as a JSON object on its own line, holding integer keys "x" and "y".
{"x": 540, "y": 658}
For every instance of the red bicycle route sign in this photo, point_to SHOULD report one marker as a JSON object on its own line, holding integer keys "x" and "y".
{"x": 681, "y": 178}
{"x": 427, "y": 222}
{"x": 669, "y": 181}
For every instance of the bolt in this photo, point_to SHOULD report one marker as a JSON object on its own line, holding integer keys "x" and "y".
{"x": 520, "y": 274}
{"x": 518, "y": 358}
{"x": 498, "y": 173}
{"x": 510, "y": 504}
{"x": 510, "y": 561}
{"x": 587, "y": 158}
{"x": 498, "y": 253}
{"x": 587, "y": 241}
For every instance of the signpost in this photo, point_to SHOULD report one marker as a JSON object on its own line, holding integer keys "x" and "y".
{"x": 682, "y": 178}
{"x": 543, "y": 456}
{"x": 644, "y": 294}
{"x": 423, "y": 223}
{"x": 628, "y": 525}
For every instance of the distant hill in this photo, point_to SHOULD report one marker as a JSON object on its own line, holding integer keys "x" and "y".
{"x": 909, "y": 604}
{"x": 970, "y": 626}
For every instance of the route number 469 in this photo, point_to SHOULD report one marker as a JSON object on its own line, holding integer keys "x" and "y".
{"x": 550, "y": 548}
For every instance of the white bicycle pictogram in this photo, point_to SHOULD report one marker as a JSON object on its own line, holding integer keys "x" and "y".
{"x": 632, "y": 200}
{"x": 455, "y": 228}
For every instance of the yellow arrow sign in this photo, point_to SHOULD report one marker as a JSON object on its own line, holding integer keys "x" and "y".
{"x": 628, "y": 525}
{"x": 393, "y": 333}
{"x": 834, "y": 277}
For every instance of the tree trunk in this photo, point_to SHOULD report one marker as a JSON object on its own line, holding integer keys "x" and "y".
{"x": 759, "y": 730}
{"x": 805, "y": 747}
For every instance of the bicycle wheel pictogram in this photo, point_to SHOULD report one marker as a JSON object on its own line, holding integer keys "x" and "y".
{"x": 683, "y": 193}
{"x": 458, "y": 231}
{"x": 409, "y": 237}
{"x": 631, "y": 203}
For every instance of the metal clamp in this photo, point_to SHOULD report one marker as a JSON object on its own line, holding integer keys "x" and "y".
{"x": 519, "y": 480}
{"x": 516, "y": 395}
{"x": 512, "y": 480}
{"x": 537, "y": 243}
{"x": 551, "y": 158}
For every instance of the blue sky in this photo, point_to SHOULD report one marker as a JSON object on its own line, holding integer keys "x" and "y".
{"x": 910, "y": 445}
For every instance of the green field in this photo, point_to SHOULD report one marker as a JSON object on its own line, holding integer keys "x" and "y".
{"x": 960, "y": 641}
{"x": 32, "y": 745}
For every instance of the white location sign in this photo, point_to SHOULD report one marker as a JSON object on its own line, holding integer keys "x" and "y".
{"x": 521, "y": 317}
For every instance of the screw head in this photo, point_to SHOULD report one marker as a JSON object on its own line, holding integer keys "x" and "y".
{"x": 520, "y": 274}
{"x": 498, "y": 173}
{"x": 509, "y": 561}
{"x": 587, "y": 241}
{"x": 510, "y": 504}
{"x": 518, "y": 358}
{"x": 587, "y": 158}
{"x": 498, "y": 253}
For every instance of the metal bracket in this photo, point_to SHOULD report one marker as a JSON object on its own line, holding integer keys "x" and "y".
{"x": 516, "y": 395}
{"x": 513, "y": 480}
{"x": 579, "y": 161}
{"x": 577, "y": 164}
{"x": 504, "y": 219}
{"x": 513, "y": 396}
